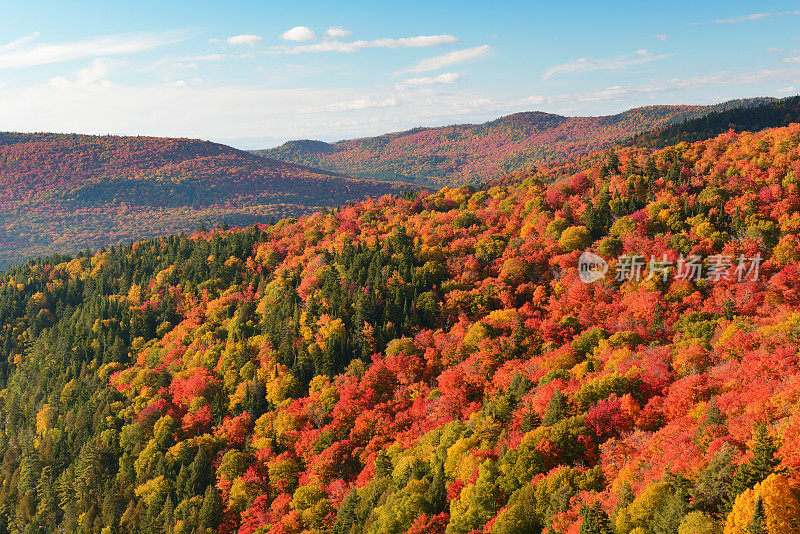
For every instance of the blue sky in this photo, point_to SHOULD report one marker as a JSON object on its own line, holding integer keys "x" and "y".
{"x": 255, "y": 74}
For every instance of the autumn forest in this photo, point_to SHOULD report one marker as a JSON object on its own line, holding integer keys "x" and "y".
{"x": 209, "y": 340}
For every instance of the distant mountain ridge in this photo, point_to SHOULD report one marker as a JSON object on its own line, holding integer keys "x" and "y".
{"x": 463, "y": 153}
{"x": 66, "y": 192}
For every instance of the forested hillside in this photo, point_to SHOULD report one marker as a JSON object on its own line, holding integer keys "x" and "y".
{"x": 474, "y": 153}
{"x": 749, "y": 118}
{"x": 429, "y": 364}
{"x": 63, "y": 193}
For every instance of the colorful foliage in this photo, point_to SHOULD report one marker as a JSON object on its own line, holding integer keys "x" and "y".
{"x": 425, "y": 364}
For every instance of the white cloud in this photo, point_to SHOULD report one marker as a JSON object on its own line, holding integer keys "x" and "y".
{"x": 328, "y": 46}
{"x": 481, "y": 102}
{"x": 19, "y": 43}
{"x": 337, "y": 31}
{"x": 185, "y": 107}
{"x": 445, "y": 78}
{"x": 418, "y": 41}
{"x": 250, "y": 40}
{"x": 619, "y": 62}
{"x": 363, "y": 103}
{"x": 790, "y": 74}
{"x": 95, "y": 74}
{"x": 755, "y": 16}
{"x": 184, "y": 83}
{"x": 166, "y": 67}
{"x": 451, "y": 58}
{"x": 791, "y": 59}
{"x": 97, "y": 70}
{"x": 783, "y": 50}
{"x": 204, "y": 57}
{"x": 622, "y": 92}
{"x": 661, "y": 37}
{"x": 299, "y": 33}
{"x": 743, "y": 18}
{"x": 26, "y": 53}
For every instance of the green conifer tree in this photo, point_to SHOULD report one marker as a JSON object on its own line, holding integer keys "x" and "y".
{"x": 556, "y": 409}
{"x": 211, "y": 511}
{"x": 595, "y": 520}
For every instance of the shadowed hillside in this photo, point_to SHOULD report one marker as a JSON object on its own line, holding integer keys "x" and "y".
{"x": 751, "y": 118}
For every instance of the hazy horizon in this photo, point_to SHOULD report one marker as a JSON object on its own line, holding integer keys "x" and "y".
{"x": 242, "y": 144}
{"x": 254, "y": 74}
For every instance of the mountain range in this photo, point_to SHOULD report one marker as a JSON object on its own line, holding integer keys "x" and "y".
{"x": 66, "y": 192}
{"x": 472, "y": 153}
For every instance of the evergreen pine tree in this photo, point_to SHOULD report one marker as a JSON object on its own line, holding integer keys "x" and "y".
{"x": 713, "y": 483}
{"x": 603, "y": 212}
{"x": 713, "y": 415}
{"x": 757, "y": 523}
{"x": 166, "y": 517}
{"x": 613, "y": 161}
{"x": 198, "y": 473}
{"x": 675, "y": 173}
{"x": 675, "y": 505}
{"x": 556, "y": 409}
{"x": 519, "y": 387}
{"x": 595, "y": 520}
{"x": 589, "y": 219}
{"x": 437, "y": 491}
{"x": 764, "y": 460}
{"x": 651, "y": 170}
{"x": 383, "y": 465}
{"x": 347, "y": 516}
{"x": 758, "y": 468}
{"x": 211, "y": 511}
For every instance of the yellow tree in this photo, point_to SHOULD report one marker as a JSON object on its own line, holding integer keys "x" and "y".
{"x": 698, "y": 523}
{"x": 781, "y": 508}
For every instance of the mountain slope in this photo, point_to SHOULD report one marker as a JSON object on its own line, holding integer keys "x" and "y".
{"x": 66, "y": 192}
{"x": 470, "y": 153}
{"x": 428, "y": 365}
{"x": 750, "y": 118}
